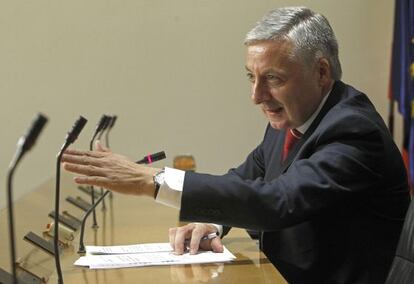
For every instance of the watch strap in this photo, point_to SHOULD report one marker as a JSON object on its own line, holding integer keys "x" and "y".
{"x": 158, "y": 179}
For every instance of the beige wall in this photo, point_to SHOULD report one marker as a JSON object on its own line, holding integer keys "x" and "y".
{"x": 172, "y": 70}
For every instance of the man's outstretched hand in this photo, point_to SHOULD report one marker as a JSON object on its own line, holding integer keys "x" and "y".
{"x": 109, "y": 170}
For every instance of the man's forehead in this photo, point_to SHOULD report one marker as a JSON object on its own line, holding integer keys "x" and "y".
{"x": 256, "y": 48}
{"x": 275, "y": 51}
{"x": 261, "y": 47}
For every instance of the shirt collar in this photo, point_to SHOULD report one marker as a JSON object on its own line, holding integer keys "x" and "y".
{"x": 302, "y": 129}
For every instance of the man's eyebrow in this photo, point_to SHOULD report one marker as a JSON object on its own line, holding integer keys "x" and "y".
{"x": 269, "y": 70}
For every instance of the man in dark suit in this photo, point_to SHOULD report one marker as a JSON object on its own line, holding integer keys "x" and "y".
{"x": 326, "y": 187}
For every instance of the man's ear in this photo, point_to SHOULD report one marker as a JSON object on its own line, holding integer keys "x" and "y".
{"x": 324, "y": 71}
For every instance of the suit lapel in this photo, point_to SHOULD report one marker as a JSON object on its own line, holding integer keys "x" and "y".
{"x": 332, "y": 100}
{"x": 275, "y": 144}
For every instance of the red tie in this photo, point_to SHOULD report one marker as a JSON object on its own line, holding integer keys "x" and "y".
{"x": 292, "y": 136}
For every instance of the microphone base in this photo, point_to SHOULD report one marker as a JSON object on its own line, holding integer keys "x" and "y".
{"x": 88, "y": 191}
{"x": 73, "y": 224}
{"x": 79, "y": 202}
{"x": 28, "y": 277}
{"x": 5, "y": 277}
{"x": 40, "y": 243}
{"x": 81, "y": 249}
{"x": 24, "y": 278}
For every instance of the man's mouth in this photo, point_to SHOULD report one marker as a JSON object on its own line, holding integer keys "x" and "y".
{"x": 273, "y": 110}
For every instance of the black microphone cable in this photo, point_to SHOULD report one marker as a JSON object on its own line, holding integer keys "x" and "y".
{"x": 70, "y": 138}
{"x": 111, "y": 124}
{"x": 101, "y": 124}
{"x": 146, "y": 160}
{"x": 105, "y": 125}
{"x": 25, "y": 143}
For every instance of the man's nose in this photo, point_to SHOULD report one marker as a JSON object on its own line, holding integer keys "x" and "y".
{"x": 260, "y": 92}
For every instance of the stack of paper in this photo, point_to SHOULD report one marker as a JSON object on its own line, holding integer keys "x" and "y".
{"x": 144, "y": 255}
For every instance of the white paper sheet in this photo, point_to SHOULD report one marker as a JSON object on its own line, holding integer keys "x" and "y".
{"x": 145, "y": 255}
{"x": 128, "y": 249}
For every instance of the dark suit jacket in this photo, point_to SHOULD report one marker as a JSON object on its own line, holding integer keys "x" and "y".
{"x": 332, "y": 212}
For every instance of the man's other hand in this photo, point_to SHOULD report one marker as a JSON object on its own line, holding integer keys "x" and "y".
{"x": 190, "y": 236}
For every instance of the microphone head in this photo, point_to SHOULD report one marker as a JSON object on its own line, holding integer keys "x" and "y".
{"x": 29, "y": 139}
{"x": 158, "y": 156}
{"x": 113, "y": 119}
{"x": 101, "y": 123}
{"x": 106, "y": 122}
{"x": 77, "y": 128}
{"x": 149, "y": 159}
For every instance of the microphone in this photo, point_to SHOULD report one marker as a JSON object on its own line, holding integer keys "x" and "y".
{"x": 82, "y": 232}
{"x": 152, "y": 158}
{"x": 29, "y": 139}
{"x": 76, "y": 129}
{"x": 111, "y": 124}
{"x": 99, "y": 127}
{"x": 70, "y": 138}
{"x": 25, "y": 143}
{"x": 106, "y": 123}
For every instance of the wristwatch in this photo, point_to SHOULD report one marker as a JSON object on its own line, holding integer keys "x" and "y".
{"x": 158, "y": 179}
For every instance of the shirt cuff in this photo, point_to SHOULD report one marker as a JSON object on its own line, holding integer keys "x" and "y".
{"x": 171, "y": 190}
{"x": 219, "y": 229}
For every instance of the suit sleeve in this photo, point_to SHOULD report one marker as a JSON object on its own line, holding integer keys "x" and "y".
{"x": 332, "y": 169}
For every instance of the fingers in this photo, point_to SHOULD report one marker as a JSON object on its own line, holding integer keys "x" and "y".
{"x": 216, "y": 245}
{"x": 196, "y": 236}
{"x": 171, "y": 236}
{"x": 88, "y": 170}
{"x": 181, "y": 234}
{"x": 96, "y": 181}
{"x": 192, "y": 235}
{"x": 93, "y": 158}
{"x": 76, "y": 152}
{"x": 81, "y": 160}
{"x": 112, "y": 171}
{"x": 101, "y": 148}
{"x": 178, "y": 236}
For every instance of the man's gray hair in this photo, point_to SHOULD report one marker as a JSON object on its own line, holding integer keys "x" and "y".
{"x": 310, "y": 33}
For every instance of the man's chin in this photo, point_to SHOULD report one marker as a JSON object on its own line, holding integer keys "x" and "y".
{"x": 278, "y": 124}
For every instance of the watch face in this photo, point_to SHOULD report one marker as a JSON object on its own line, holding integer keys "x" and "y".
{"x": 159, "y": 177}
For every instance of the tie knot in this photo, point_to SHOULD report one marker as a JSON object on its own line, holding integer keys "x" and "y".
{"x": 292, "y": 136}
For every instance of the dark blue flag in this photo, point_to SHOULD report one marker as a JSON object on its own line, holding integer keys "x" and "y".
{"x": 402, "y": 74}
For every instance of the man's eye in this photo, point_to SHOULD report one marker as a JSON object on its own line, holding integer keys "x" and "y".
{"x": 271, "y": 77}
{"x": 250, "y": 77}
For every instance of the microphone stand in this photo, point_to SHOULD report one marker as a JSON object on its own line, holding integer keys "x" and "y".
{"x": 146, "y": 160}
{"x": 101, "y": 124}
{"x": 106, "y": 124}
{"x": 82, "y": 232}
{"x": 111, "y": 124}
{"x": 18, "y": 155}
{"x": 24, "y": 144}
{"x": 70, "y": 138}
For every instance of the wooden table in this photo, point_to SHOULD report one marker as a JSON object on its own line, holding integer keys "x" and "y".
{"x": 127, "y": 220}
